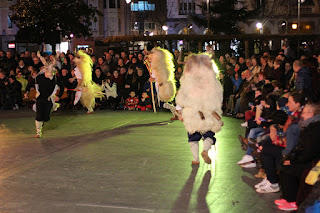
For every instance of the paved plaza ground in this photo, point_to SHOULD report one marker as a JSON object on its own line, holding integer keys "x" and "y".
{"x": 120, "y": 161}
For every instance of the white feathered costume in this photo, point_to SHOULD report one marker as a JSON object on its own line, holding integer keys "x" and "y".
{"x": 163, "y": 68}
{"x": 200, "y": 97}
{"x": 200, "y": 92}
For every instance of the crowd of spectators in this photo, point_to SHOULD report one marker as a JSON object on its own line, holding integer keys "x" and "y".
{"x": 278, "y": 99}
{"x": 124, "y": 78}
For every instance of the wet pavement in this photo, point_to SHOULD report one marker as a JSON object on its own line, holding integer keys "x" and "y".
{"x": 119, "y": 161}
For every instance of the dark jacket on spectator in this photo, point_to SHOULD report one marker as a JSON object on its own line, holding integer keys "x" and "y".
{"x": 303, "y": 80}
{"x": 307, "y": 151}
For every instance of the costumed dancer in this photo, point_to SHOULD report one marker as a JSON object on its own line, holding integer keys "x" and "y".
{"x": 199, "y": 101}
{"x": 162, "y": 70}
{"x": 47, "y": 85}
{"x": 86, "y": 91}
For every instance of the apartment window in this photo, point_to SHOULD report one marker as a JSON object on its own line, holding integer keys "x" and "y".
{"x": 118, "y": 3}
{"x": 112, "y": 3}
{"x": 149, "y": 26}
{"x": 306, "y": 10}
{"x": 143, "y": 6}
{"x": 104, "y": 3}
{"x": 187, "y": 7}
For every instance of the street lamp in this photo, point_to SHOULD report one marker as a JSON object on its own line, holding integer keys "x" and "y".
{"x": 299, "y": 2}
{"x": 294, "y": 26}
{"x": 208, "y": 14}
{"x": 126, "y": 14}
{"x": 165, "y": 29}
{"x": 259, "y": 27}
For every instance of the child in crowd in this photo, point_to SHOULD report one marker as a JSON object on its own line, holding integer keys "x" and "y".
{"x": 145, "y": 102}
{"x": 131, "y": 102}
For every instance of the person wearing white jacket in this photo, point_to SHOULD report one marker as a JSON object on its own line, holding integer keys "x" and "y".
{"x": 110, "y": 89}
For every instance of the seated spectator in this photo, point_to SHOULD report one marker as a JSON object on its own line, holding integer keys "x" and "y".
{"x": 295, "y": 103}
{"x": 13, "y": 93}
{"x": 278, "y": 71}
{"x": 229, "y": 69}
{"x": 23, "y": 68}
{"x": 256, "y": 67}
{"x": 300, "y": 160}
{"x": 145, "y": 102}
{"x": 271, "y": 153}
{"x": 130, "y": 81}
{"x": 98, "y": 76}
{"x": 22, "y": 80}
{"x": 3, "y": 85}
{"x": 132, "y": 102}
{"x": 121, "y": 64}
{"x": 110, "y": 88}
{"x": 141, "y": 80}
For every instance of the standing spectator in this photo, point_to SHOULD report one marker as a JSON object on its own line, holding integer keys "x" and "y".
{"x": 14, "y": 95}
{"x": 222, "y": 63}
{"x": 265, "y": 68}
{"x": 278, "y": 71}
{"x": 227, "y": 85}
{"x": 288, "y": 73}
{"x": 288, "y": 52}
{"x": 27, "y": 59}
{"x": 2, "y": 60}
{"x": 110, "y": 62}
{"x": 10, "y": 62}
{"x": 130, "y": 81}
{"x": 303, "y": 78}
{"x": 124, "y": 57}
{"x": 120, "y": 64}
{"x": 3, "y": 85}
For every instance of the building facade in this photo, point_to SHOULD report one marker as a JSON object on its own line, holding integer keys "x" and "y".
{"x": 7, "y": 28}
{"x": 277, "y": 16}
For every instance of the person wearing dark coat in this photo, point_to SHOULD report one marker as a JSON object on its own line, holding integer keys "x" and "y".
{"x": 303, "y": 78}
{"x": 14, "y": 94}
{"x": 301, "y": 159}
{"x": 288, "y": 72}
